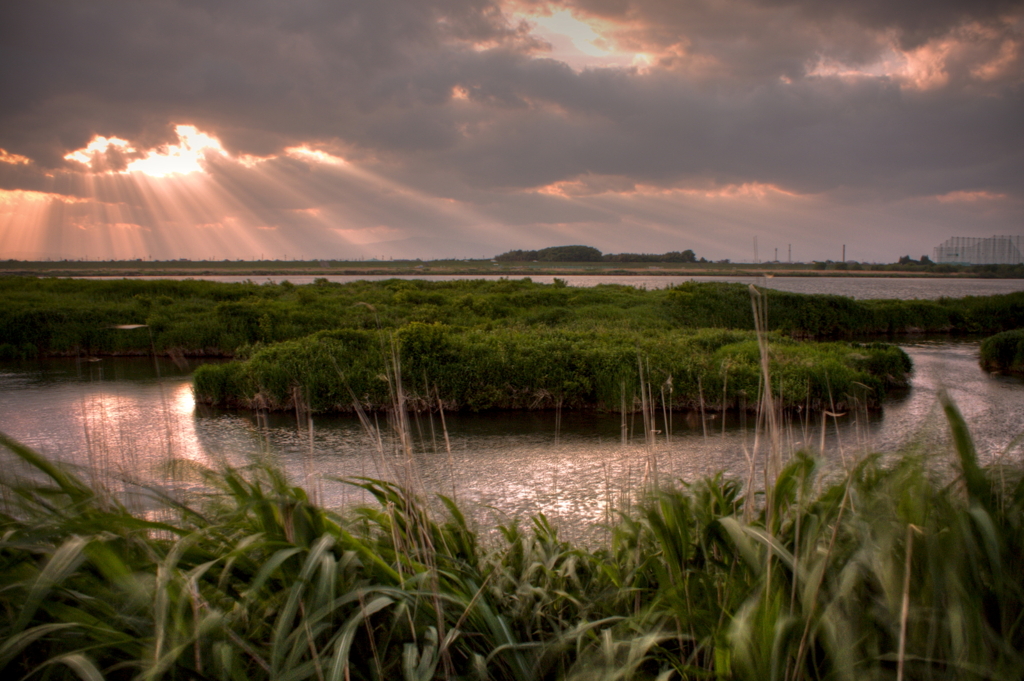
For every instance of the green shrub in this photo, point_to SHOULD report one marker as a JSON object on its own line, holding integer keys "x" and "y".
{"x": 542, "y": 368}
{"x": 1004, "y": 352}
{"x": 61, "y": 316}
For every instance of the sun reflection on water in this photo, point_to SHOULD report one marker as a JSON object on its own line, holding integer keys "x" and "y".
{"x": 501, "y": 466}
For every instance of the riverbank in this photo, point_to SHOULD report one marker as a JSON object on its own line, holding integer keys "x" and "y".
{"x": 409, "y": 268}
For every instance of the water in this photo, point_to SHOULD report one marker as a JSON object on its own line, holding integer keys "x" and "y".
{"x": 127, "y": 418}
{"x": 905, "y": 288}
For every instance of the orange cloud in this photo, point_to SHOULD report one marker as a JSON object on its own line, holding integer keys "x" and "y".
{"x": 314, "y": 155}
{"x": 13, "y": 159}
{"x": 580, "y": 39}
{"x": 115, "y": 155}
{"x": 15, "y": 197}
{"x": 92, "y": 154}
{"x": 623, "y": 186}
{"x": 972, "y": 51}
{"x": 1001, "y": 65}
{"x": 965, "y": 196}
{"x": 367, "y": 235}
{"x": 589, "y": 185}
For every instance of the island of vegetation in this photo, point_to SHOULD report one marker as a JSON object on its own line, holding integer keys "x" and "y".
{"x": 1004, "y": 352}
{"x": 505, "y": 344}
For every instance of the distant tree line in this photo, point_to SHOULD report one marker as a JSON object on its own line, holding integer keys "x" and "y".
{"x": 907, "y": 260}
{"x": 553, "y": 254}
{"x": 671, "y": 256}
{"x": 927, "y": 265}
{"x": 591, "y": 254}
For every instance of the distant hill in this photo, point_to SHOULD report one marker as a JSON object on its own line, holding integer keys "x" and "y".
{"x": 591, "y": 254}
{"x": 553, "y": 254}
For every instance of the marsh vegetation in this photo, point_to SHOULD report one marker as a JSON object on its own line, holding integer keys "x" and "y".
{"x": 505, "y": 344}
{"x": 911, "y": 569}
{"x": 69, "y": 317}
{"x": 909, "y": 565}
{"x": 542, "y": 368}
{"x": 1004, "y": 352}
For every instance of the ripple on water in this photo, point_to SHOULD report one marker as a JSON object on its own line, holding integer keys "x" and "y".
{"x": 129, "y": 421}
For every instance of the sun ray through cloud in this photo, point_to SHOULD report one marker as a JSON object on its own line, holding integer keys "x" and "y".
{"x": 423, "y": 128}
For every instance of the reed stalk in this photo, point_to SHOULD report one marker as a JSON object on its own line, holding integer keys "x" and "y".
{"x": 889, "y": 571}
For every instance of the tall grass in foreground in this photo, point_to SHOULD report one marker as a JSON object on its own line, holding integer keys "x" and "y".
{"x": 894, "y": 571}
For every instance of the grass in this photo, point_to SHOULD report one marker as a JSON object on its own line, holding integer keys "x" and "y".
{"x": 197, "y": 318}
{"x": 1004, "y": 352}
{"x": 908, "y": 566}
{"x": 551, "y": 368}
{"x": 484, "y": 344}
{"x": 902, "y": 570}
{"x": 887, "y": 571}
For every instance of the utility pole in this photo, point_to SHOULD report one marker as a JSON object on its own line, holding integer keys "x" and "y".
{"x": 844, "y": 253}
{"x": 790, "y": 254}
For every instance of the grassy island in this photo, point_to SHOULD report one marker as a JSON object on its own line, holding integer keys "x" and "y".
{"x": 505, "y": 344}
{"x": 541, "y": 368}
{"x": 1004, "y": 352}
{"x": 201, "y": 318}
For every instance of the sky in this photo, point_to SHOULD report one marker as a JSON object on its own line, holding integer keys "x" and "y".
{"x": 345, "y": 129}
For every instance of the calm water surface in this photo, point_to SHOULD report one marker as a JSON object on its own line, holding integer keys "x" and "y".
{"x": 130, "y": 417}
{"x": 862, "y": 287}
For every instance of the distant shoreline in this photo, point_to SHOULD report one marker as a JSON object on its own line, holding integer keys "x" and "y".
{"x": 406, "y": 268}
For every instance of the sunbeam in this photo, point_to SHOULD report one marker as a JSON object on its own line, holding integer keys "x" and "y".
{"x": 194, "y": 200}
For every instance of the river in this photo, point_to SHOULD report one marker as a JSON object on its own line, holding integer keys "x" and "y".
{"x": 119, "y": 419}
{"x": 862, "y": 287}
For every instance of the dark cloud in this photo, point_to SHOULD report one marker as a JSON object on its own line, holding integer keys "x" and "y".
{"x": 454, "y": 99}
{"x": 71, "y": 70}
{"x": 915, "y": 20}
{"x": 768, "y": 22}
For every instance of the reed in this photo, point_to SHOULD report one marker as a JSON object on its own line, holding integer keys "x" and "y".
{"x": 199, "y": 318}
{"x": 876, "y": 571}
{"x": 551, "y": 368}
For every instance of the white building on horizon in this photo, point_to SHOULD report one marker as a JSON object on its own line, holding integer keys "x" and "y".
{"x": 969, "y": 250}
